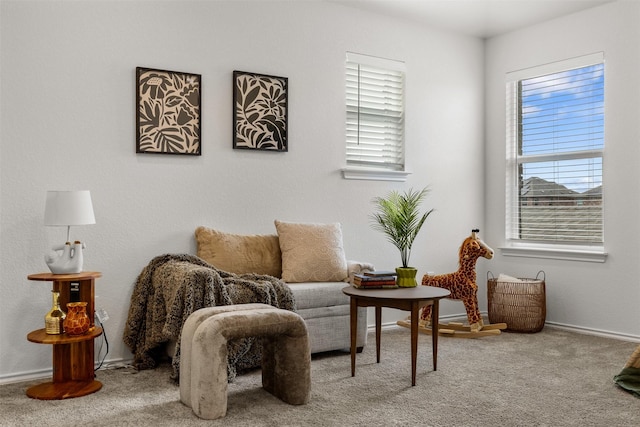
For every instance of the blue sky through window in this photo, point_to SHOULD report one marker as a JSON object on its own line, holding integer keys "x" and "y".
{"x": 563, "y": 113}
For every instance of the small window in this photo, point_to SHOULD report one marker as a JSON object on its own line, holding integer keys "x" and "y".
{"x": 375, "y": 113}
{"x": 555, "y": 148}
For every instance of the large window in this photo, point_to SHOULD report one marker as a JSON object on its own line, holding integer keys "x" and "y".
{"x": 375, "y": 112}
{"x": 555, "y": 146}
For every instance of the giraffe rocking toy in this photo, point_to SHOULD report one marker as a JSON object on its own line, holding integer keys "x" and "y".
{"x": 462, "y": 285}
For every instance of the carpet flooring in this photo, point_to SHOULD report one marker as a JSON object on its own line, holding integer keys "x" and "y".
{"x": 550, "y": 378}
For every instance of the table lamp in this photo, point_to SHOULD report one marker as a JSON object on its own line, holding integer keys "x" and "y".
{"x": 67, "y": 208}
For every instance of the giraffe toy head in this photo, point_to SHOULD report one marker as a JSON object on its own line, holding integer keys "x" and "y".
{"x": 473, "y": 248}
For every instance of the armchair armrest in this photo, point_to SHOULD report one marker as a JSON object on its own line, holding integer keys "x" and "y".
{"x": 357, "y": 267}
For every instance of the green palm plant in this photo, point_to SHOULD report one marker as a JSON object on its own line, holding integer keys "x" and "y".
{"x": 398, "y": 216}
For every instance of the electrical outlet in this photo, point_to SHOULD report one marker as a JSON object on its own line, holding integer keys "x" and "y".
{"x": 102, "y": 315}
{"x": 74, "y": 292}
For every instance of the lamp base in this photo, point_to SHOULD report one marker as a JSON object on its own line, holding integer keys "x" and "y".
{"x": 65, "y": 259}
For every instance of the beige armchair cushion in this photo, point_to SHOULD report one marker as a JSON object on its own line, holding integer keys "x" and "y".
{"x": 238, "y": 253}
{"x": 311, "y": 252}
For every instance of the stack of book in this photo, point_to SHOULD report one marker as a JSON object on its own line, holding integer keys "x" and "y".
{"x": 375, "y": 280}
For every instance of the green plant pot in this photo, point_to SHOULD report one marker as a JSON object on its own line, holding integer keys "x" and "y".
{"x": 406, "y": 277}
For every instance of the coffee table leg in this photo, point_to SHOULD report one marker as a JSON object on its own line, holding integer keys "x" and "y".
{"x": 414, "y": 340}
{"x": 435, "y": 316}
{"x": 354, "y": 334}
{"x": 378, "y": 329}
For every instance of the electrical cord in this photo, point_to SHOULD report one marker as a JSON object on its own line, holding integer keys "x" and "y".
{"x": 106, "y": 341}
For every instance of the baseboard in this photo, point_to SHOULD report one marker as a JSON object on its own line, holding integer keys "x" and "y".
{"x": 19, "y": 377}
{"x": 48, "y": 373}
{"x": 556, "y": 325}
{"x": 592, "y": 331}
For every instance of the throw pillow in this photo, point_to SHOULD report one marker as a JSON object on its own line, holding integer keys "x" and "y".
{"x": 311, "y": 252}
{"x": 238, "y": 253}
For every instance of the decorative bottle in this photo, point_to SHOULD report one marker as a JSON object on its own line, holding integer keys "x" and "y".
{"x": 54, "y": 318}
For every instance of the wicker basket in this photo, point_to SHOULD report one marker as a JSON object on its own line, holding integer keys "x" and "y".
{"x": 521, "y": 305}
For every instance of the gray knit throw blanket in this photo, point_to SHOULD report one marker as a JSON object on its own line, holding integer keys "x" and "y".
{"x": 172, "y": 286}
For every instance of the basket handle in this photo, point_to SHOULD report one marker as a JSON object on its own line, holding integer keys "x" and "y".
{"x": 544, "y": 276}
{"x": 490, "y": 273}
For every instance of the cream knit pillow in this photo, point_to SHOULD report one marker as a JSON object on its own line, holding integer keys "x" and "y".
{"x": 311, "y": 252}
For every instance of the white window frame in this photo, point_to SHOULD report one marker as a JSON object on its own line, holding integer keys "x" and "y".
{"x": 390, "y": 164}
{"x": 590, "y": 252}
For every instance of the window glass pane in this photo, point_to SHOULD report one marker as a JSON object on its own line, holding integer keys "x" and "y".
{"x": 561, "y": 201}
{"x": 555, "y": 129}
{"x": 374, "y": 113}
{"x": 563, "y": 111}
{"x": 574, "y": 176}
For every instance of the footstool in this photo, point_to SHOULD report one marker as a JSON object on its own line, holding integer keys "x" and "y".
{"x": 286, "y": 357}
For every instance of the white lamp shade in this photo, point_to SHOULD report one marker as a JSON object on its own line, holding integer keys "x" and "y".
{"x": 67, "y": 208}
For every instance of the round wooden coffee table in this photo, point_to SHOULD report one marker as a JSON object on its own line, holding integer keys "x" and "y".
{"x": 409, "y": 299}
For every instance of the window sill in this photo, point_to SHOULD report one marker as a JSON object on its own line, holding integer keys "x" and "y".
{"x": 374, "y": 174}
{"x": 584, "y": 255}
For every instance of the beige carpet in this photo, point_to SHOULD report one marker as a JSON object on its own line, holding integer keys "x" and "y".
{"x": 551, "y": 378}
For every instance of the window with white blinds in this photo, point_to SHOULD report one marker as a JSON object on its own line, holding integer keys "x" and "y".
{"x": 375, "y": 112}
{"x": 555, "y": 145}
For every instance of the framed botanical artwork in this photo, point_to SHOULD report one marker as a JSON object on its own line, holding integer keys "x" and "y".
{"x": 260, "y": 107}
{"x": 168, "y": 112}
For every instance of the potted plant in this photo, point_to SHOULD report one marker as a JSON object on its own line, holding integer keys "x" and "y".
{"x": 398, "y": 216}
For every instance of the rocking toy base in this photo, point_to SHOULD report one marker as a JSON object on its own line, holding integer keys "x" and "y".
{"x": 457, "y": 330}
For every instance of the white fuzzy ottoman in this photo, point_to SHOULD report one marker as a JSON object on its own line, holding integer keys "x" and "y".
{"x": 286, "y": 357}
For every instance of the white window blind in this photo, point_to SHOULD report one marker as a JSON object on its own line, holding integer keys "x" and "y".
{"x": 375, "y": 112}
{"x": 555, "y": 137}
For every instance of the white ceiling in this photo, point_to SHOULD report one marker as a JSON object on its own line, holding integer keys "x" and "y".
{"x": 479, "y": 18}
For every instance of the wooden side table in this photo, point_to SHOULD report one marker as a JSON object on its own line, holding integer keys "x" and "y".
{"x": 409, "y": 299}
{"x": 73, "y": 355}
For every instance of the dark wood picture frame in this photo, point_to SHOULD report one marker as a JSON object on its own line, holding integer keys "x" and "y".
{"x": 260, "y": 110}
{"x": 168, "y": 112}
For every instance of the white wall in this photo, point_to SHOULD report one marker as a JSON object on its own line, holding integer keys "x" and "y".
{"x": 595, "y": 296}
{"x": 68, "y": 122}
